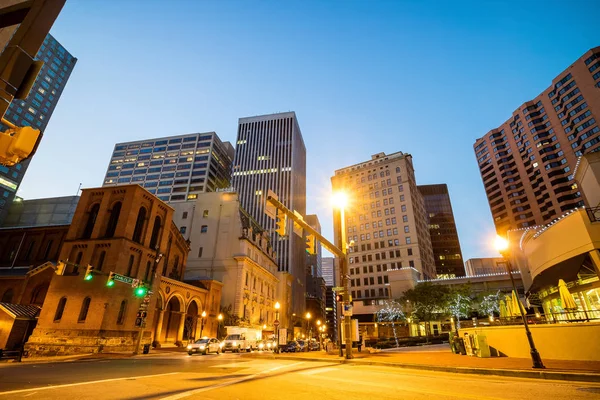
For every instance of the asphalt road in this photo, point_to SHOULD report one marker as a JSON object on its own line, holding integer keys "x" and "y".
{"x": 178, "y": 376}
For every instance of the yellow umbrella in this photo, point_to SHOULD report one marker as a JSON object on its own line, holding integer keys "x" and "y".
{"x": 565, "y": 296}
{"x": 503, "y": 312}
{"x": 516, "y": 303}
{"x": 509, "y": 310}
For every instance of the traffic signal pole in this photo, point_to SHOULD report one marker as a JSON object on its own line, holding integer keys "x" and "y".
{"x": 340, "y": 253}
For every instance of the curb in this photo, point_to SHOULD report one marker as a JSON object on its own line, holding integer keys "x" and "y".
{"x": 515, "y": 373}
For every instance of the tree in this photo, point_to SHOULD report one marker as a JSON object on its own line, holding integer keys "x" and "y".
{"x": 391, "y": 312}
{"x": 488, "y": 303}
{"x": 427, "y": 302}
{"x": 459, "y": 303}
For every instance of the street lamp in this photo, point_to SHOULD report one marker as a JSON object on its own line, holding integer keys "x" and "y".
{"x": 320, "y": 328}
{"x": 502, "y": 247}
{"x": 308, "y": 316}
{"x": 276, "y": 323}
{"x": 202, "y": 323}
{"x": 219, "y": 318}
{"x": 340, "y": 201}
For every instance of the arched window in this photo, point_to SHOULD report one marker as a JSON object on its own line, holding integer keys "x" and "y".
{"x": 30, "y": 250}
{"x": 113, "y": 220}
{"x": 7, "y": 296}
{"x": 139, "y": 225}
{"x": 85, "y": 306}
{"x": 122, "y": 309}
{"x": 148, "y": 268}
{"x": 39, "y": 294}
{"x": 155, "y": 233}
{"x": 130, "y": 266}
{"x": 89, "y": 226}
{"x": 48, "y": 248}
{"x": 176, "y": 264}
{"x": 60, "y": 309}
{"x": 100, "y": 262}
{"x": 397, "y": 169}
{"x": 77, "y": 262}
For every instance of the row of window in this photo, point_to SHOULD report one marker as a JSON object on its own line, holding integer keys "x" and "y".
{"x": 83, "y": 312}
{"x": 383, "y": 292}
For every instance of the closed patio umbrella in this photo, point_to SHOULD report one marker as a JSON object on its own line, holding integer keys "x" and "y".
{"x": 516, "y": 303}
{"x": 509, "y": 310}
{"x": 503, "y": 312}
{"x": 565, "y": 296}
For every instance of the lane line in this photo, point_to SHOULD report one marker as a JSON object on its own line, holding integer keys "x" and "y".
{"x": 228, "y": 383}
{"x": 84, "y": 383}
{"x": 30, "y": 394}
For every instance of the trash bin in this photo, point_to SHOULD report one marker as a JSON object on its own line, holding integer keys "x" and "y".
{"x": 146, "y": 349}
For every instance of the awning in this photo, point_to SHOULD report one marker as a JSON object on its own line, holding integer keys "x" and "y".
{"x": 566, "y": 270}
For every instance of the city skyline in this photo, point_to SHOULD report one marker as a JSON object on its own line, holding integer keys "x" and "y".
{"x": 335, "y": 110}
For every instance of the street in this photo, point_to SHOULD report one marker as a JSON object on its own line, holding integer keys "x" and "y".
{"x": 229, "y": 376}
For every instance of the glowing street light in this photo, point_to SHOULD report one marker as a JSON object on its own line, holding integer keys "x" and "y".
{"x": 502, "y": 246}
{"x": 203, "y": 315}
{"x": 277, "y": 307}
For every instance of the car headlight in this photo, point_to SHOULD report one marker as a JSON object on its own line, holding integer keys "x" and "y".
{"x": 221, "y": 344}
{"x": 202, "y": 347}
{"x": 189, "y": 347}
{"x": 235, "y": 343}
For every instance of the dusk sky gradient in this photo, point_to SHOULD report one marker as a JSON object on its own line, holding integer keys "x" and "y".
{"x": 425, "y": 78}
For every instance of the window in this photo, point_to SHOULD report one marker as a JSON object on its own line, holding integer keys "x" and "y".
{"x": 204, "y": 229}
{"x": 85, "y": 306}
{"x": 121, "y": 316}
{"x": 130, "y": 265}
{"x": 407, "y": 239}
{"x": 139, "y": 225}
{"x": 155, "y": 233}
{"x": 182, "y": 229}
{"x": 60, "y": 309}
{"x": 48, "y": 248}
{"x": 77, "y": 262}
{"x": 89, "y": 226}
{"x": 113, "y": 220}
{"x": 100, "y": 262}
{"x": 185, "y": 214}
{"x": 410, "y": 253}
{"x": 148, "y": 268}
{"x": 406, "y": 229}
{"x": 200, "y": 252}
{"x": 205, "y": 214}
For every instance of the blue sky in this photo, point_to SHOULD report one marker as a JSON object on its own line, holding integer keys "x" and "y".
{"x": 425, "y": 78}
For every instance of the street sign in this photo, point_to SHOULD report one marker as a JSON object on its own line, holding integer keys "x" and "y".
{"x": 348, "y": 310}
{"x": 338, "y": 289}
{"x": 123, "y": 278}
{"x": 276, "y": 323}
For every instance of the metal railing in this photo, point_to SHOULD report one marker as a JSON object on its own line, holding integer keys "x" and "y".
{"x": 551, "y": 318}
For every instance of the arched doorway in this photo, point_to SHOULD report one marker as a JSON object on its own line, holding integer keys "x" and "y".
{"x": 39, "y": 294}
{"x": 171, "y": 321}
{"x": 190, "y": 329}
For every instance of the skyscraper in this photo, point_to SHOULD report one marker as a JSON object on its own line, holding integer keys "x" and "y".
{"x": 386, "y": 221}
{"x": 174, "y": 168}
{"x": 442, "y": 229}
{"x": 527, "y": 163}
{"x": 327, "y": 265}
{"x": 271, "y": 155}
{"x": 36, "y": 110}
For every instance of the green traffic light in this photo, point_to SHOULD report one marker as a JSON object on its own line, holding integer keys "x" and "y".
{"x": 110, "y": 283}
{"x": 141, "y": 291}
{"x": 88, "y": 277}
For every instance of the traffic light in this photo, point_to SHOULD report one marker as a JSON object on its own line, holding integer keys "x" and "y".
{"x": 60, "y": 268}
{"x": 17, "y": 144}
{"x": 111, "y": 280}
{"x": 140, "y": 291}
{"x": 88, "y": 273}
{"x": 310, "y": 244}
{"x": 339, "y": 298}
{"x": 281, "y": 222}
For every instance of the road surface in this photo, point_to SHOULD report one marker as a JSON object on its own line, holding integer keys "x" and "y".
{"x": 228, "y": 376}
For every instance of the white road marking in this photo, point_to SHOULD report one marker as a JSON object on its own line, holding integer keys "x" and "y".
{"x": 228, "y": 383}
{"x": 30, "y": 394}
{"x": 84, "y": 383}
{"x": 316, "y": 371}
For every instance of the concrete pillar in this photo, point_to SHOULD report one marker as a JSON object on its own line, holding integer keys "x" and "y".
{"x": 161, "y": 316}
{"x": 179, "y": 337}
{"x": 595, "y": 260}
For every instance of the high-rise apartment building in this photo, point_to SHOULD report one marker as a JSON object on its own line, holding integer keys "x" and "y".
{"x": 327, "y": 266}
{"x": 527, "y": 163}
{"x": 385, "y": 222}
{"x": 314, "y": 267}
{"x": 442, "y": 229}
{"x": 35, "y": 110}
{"x": 270, "y": 155}
{"x": 174, "y": 168}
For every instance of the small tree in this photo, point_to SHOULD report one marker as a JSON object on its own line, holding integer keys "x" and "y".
{"x": 391, "y": 312}
{"x": 427, "y": 303}
{"x": 488, "y": 303}
{"x": 459, "y": 303}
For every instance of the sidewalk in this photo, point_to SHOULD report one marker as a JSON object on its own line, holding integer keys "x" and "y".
{"x": 440, "y": 358}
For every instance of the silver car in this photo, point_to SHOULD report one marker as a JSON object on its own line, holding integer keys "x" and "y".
{"x": 204, "y": 346}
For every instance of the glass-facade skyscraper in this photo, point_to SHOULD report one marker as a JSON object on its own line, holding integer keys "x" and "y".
{"x": 36, "y": 110}
{"x": 174, "y": 168}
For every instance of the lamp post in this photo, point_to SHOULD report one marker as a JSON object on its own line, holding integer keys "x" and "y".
{"x": 203, "y": 315}
{"x": 340, "y": 200}
{"x": 320, "y": 332}
{"x": 308, "y": 316}
{"x": 219, "y": 318}
{"x": 502, "y": 247}
{"x": 276, "y": 323}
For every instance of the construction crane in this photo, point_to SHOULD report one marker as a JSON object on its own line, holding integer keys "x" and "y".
{"x": 23, "y": 27}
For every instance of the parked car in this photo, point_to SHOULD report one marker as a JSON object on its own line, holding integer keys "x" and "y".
{"x": 204, "y": 346}
{"x": 291, "y": 347}
{"x": 314, "y": 345}
{"x": 302, "y": 344}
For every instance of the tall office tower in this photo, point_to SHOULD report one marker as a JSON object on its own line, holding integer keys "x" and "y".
{"x": 527, "y": 163}
{"x": 271, "y": 155}
{"x": 386, "y": 220}
{"x": 442, "y": 229}
{"x": 35, "y": 110}
{"x": 314, "y": 266}
{"x": 174, "y": 168}
{"x": 327, "y": 265}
